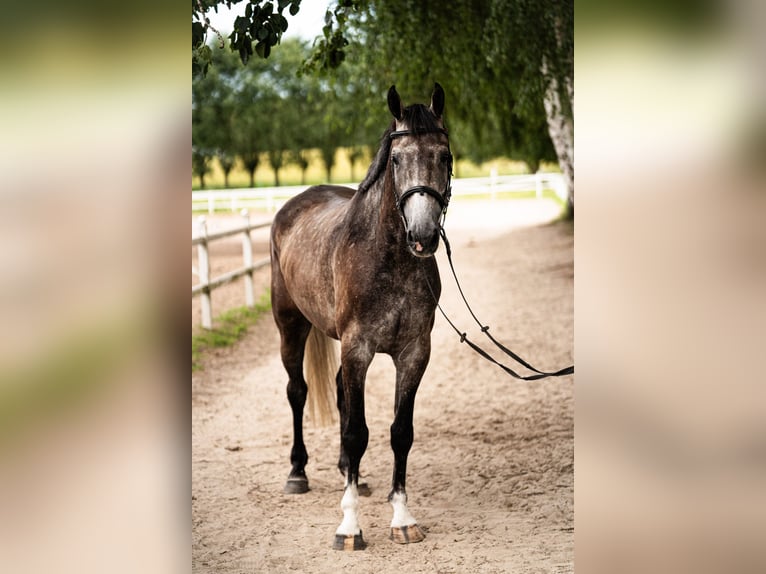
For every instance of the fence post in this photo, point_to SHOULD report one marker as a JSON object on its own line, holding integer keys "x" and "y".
{"x": 247, "y": 256}
{"x": 539, "y": 184}
{"x": 210, "y": 204}
{"x": 203, "y": 262}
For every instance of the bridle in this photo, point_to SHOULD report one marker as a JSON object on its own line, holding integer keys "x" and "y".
{"x": 441, "y": 198}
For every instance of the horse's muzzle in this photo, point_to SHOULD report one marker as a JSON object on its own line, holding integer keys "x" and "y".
{"x": 423, "y": 245}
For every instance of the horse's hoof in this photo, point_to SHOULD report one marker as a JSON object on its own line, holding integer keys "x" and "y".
{"x": 297, "y": 485}
{"x": 349, "y": 542}
{"x": 363, "y": 489}
{"x": 407, "y": 534}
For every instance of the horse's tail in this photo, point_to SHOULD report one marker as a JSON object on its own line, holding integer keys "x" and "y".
{"x": 321, "y": 365}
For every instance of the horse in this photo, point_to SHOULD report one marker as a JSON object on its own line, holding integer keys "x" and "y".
{"x": 358, "y": 266}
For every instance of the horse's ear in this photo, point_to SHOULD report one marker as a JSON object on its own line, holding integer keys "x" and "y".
{"x": 395, "y": 103}
{"x": 437, "y": 100}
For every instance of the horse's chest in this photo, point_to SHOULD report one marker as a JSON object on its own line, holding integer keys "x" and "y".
{"x": 393, "y": 312}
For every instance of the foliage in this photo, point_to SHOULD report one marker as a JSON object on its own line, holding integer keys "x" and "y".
{"x": 487, "y": 54}
{"x": 262, "y": 24}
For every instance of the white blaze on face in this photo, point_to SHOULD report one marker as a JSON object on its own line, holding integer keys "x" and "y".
{"x": 419, "y": 210}
{"x": 350, "y": 506}
{"x": 402, "y": 516}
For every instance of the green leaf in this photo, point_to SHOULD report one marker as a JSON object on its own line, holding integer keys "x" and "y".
{"x": 198, "y": 34}
{"x": 243, "y": 55}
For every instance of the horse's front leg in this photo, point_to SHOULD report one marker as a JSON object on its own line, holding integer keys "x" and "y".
{"x": 410, "y": 366}
{"x": 354, "y": 435}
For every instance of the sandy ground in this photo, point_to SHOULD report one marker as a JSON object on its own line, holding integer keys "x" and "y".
{"x": 490, "y": 475}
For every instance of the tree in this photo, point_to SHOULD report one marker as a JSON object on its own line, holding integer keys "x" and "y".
{"x": 200, "y": 164}
{"x": 248, "y": 121}
{"x": 203, "y": 134}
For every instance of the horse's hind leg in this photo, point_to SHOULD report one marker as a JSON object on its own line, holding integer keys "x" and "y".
{"x": 294, "y": 329}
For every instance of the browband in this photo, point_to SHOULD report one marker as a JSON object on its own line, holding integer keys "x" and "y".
{"x": 402, "y": 133}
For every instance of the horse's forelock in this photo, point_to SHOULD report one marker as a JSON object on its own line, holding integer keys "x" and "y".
{"x": 420, "y": 119}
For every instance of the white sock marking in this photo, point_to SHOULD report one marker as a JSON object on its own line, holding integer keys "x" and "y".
{"x": 402, "y": 516}
{"x": 350, "y": 506}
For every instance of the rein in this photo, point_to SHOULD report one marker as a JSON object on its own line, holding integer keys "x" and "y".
{"x": 443, "y": 200}
{"x": 485, "y": 329}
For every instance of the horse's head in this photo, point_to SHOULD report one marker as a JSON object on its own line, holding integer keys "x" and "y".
{"x": 421, "y": 169}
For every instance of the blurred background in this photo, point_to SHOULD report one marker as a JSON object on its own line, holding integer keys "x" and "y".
{"x": 669, "y": 245}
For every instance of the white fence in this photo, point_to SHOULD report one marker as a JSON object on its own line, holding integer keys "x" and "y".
{"x": 272, "y": 198}
{"x": 206, "y": 285}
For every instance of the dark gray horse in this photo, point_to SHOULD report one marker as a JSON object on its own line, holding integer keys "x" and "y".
{"x": 358, "y": 266}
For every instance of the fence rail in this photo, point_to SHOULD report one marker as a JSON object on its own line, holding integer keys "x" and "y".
{"x": 272, "y": 198}
{"x": 206, "y": 285}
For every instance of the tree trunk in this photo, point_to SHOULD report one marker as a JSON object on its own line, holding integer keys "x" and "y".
{"x": 252, "y": 176}
{"x": 226, "y": 179}
{"x": 202, "y": 181}
{"x": 561, "y": 131}
{"x": 276, "y": 176}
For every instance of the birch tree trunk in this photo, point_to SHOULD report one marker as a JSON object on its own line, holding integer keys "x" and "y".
{"x": 561, "y": 130}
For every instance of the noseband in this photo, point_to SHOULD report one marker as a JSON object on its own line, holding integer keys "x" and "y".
{"x": 441, "y": 198}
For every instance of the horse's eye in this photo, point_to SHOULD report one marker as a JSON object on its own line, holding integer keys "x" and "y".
{"x": 395, "y": 160}
{"x": 445, "y": 157}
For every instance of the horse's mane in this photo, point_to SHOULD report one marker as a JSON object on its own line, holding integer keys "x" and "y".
{"x": 420, "y": 119}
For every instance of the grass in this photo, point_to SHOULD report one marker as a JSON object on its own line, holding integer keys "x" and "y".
{"x": 230, "y": 327}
